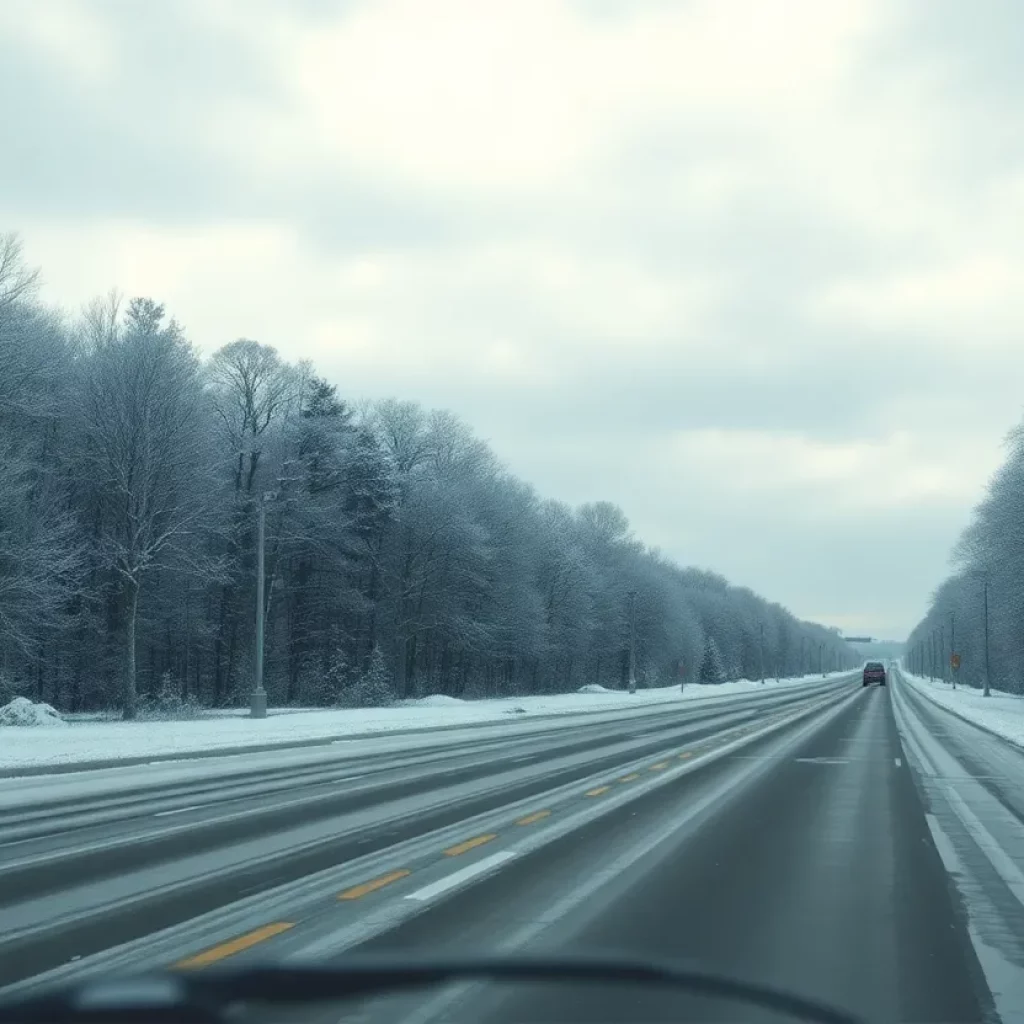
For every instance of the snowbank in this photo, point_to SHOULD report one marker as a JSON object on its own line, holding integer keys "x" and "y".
{"x": 435, "y": 700}
{"x": 1002, "y": 713}
{"x": 22, "y": 712}
{"x": 80, "y": 741}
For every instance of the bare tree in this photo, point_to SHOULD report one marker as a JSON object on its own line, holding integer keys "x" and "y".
{"x": 40, "y": 555}
{"x": 252, "y": 390}
{"x": 144, "y": 447}
{"x": 16, "y": 280}
{"x": 39, "y": 549}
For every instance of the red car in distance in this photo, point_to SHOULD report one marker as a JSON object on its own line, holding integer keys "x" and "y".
{"x": 874, "y": 672}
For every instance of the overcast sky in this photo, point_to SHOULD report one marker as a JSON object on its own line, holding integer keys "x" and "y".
{"x": 751, "y": 269}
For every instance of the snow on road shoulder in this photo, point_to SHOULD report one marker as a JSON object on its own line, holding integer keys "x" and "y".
{"x": 91, "y": 740}
{"x": 1002, "y": 713}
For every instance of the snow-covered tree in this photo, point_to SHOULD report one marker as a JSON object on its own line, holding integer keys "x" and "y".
{"x": 402, "y": 558}
{"x": 711, "y": 669}
{"x": 376, "y": 688}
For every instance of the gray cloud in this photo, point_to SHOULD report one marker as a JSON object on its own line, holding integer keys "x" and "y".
{"x": 668, "y": 280}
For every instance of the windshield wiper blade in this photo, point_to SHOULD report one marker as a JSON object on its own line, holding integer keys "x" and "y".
{"x": 360, "y": 976}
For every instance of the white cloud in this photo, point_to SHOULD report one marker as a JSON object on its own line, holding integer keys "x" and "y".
{"x": 509, "y": 98}
{"x": 975, "y": 301}
{"x": 64, "y": 32}
{"x": 865, "y": 477}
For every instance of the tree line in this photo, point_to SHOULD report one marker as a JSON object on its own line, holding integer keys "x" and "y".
{"x": 401, "y": 557}
{"x": 977, "y": 610}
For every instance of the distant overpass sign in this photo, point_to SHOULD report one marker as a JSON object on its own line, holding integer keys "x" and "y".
{"x": 859, "y": 639}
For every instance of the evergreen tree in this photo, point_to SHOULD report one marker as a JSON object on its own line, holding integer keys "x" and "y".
{"x": 711, "y": 670}
{"x": 377, "y": 688}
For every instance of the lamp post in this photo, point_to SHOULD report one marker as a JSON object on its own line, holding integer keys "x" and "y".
{"x": 762, "y": 654}
{"x": 952, "y": 647}
{"x": 258, "y": 697}
{"x": 632, "y": 641}
{"x": 986, "y": 692}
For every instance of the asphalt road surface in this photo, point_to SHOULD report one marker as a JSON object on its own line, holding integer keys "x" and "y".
{"x": 818, "y": 875}
{"x": 92, "y": 861}
{"x": 815, "y": 841}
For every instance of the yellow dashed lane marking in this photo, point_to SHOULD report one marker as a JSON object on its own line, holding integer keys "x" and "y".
{"x": 629, "y": 778}
{"x": 598, "y": 791}
{"x": 358, "y": 891}
{"x": 243, "y": 942}
{"x": 659, "y": 767}
{"x": 470, "y": 844}
{"x": 685, "y": 754}
{"x": 531, "y": 818}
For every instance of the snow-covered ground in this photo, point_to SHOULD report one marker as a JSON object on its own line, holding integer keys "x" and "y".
{"x": 80, "y": 741}
{"x": 1001, "y": 712}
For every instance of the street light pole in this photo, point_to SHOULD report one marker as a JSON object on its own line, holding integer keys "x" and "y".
{"x": 821, "y": 655}
{"x": 632, "y": 641}
{"x": 952, "y": 647}
{"x": 762, "y": 654}
{"x": 986, "y": 692}
{"x": 942, "y": 651}
{"x": 258, "y": 697}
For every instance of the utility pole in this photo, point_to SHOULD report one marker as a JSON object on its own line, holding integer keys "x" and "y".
{"x": 258, "y": 698}
{"x": 952, "y": 647}
{"x": 762, "y": 654}
{"x": 632, "y": 641}
{"x": 942, "y": 651}
{"x": 821, "y": 657}
{"x": 987, "y": 691}
{"x": 803, "y": 662}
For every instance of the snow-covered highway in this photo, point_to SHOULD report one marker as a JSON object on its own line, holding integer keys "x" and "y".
{"x": 95, "y": 859}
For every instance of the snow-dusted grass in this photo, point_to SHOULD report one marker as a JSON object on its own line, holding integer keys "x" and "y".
{"x": 1001, "y": 712}
{"x": 79, "y": 741}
